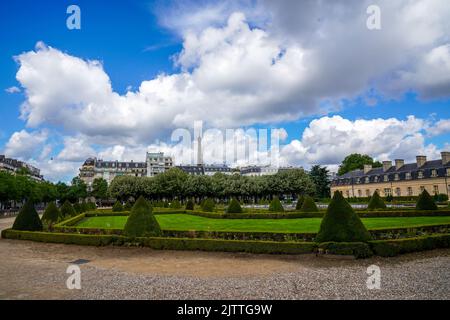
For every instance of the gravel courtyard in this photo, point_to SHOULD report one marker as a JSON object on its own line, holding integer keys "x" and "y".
{"x": 30, "y": 270}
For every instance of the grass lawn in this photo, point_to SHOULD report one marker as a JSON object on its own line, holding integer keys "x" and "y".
{"x": 305, "y": 225}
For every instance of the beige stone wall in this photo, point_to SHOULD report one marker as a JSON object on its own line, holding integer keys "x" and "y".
{"x": 442, "y": 185}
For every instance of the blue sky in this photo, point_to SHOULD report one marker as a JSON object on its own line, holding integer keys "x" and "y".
{"x": 331, "y": 93}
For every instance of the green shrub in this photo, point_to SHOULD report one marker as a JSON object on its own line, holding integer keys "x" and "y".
{"x": 67, "y": 210}
{"x": 51, "y": 214}
{"x": 376, "y": 202}
{"x": 78, "y": 207}
{"x": 441, "y": 197}
{"x": 425, "y": 202}
{"x": 390, "y": 248}
{"x": 299, "y": 204}
{"x": 234, "y": 206}
{"x": 309, "y": 205}
{"x": 275, "y": 205}
{"x": 165, "y": 204}
{"x": 128, "y": 206}
{"x": 190, "y": 205}
{"x": 175, "y": 204}
{"x": 117, "y": 207}
{"x": 341, "y": 224}
{"x": 357, "y": 249}
{"x": 28, "y": 218}
{"x": 141, "y": 221}
{"x": 166, "y": 243}
{"x": 208, "y": 205}
{"x": 91, "y": 206}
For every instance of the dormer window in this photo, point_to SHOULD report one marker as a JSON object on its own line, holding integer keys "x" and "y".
{"x": 376, "y": 179}
{"x": 434, "y": 173}
{"x": 386, "y": 178}
{"x": 408, "y": 176}
{"x": 367, "y": 180}
{"x": 397, "y": 177}
{"x": 420, "y": 174}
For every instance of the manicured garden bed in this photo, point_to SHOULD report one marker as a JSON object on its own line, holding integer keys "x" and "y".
{"x": 185, "y": 222}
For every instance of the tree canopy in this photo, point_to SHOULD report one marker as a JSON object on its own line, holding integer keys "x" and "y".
{"x": 356, "y": 161}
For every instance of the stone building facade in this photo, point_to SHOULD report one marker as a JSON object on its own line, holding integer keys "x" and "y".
{"x": 397, "y": 179}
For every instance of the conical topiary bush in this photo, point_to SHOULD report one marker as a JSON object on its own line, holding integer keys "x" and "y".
{"x": 300, "y": 200}
{"x": 341, "y": 223}
{"x": 190, "y": 205}
{"x": 175, "y": 204}
{"x": 425, "y": 202}
{"x": 51, "y": 214}
{"x": 309, "y": 205}
{"x": 208, "y": 205}
{"x": 67, "y": 210}
{"x": 128, "y": 205}
{"x": 234, "y": 206}
{"x": 142, "y": 222}
{"x": 275, "y": 205}
{"x": 28, "y": 219}
{"x": 376, "y": 202}
{"x": 117, "y": 207}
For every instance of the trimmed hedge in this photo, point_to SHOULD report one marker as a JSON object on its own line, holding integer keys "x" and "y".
{"x": 275, "y": 205}
{"x": 385, "y": 248}
{"x": 166, "y": 243}
{"x": 234, "y": 207}
{"x": 141, "y": 221}
{"x": 175, "y": 204}
{"x": 425, "y": 202}
{"x": 376, "y": 202}
{"x": 299, "y": 204}
{"x": 117, "y": 207}
{"x": 357, "y": 249}
{"x": 341, "y": 224}
{"x": 51, "y": 214}
{"x": 208, "y": 205}
{"x": 309, "y": 205}
{"x": 128, "y": 206}
{"x": 390, "y": 248}
{"x": 190, "y": 205}
{"x": 28, "y": 218}
{"x": 67, "y": 210}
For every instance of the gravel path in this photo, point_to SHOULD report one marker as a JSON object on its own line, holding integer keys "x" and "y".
{"x": 30, "y": 270}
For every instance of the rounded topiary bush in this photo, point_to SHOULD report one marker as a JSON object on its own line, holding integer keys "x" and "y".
{"x": 142, "y": 222}
{"x": 128, "y": 206}
{"x": 275, "y": 205}
{"x": 28, "y": 219}
{"x": 376, "y": 202}
{"x": 175, "y": 204}
{"x": 309, "y": 205}
{"x": 234, "y": 206}
{"x": 208, "y": 205}
{"x": 117, "y": 207}
{"x": 300, "y": 200}
{"x": 425, "y": 202}
{"x": 190, "y": 205}
{"x": 51, "y": 214}
{"x": 341, "y": 224}
{"x": 67, "y": 210}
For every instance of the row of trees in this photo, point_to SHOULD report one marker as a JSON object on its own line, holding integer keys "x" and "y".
{"x": 17, "y": 188}
{"x": 177, "y": 184}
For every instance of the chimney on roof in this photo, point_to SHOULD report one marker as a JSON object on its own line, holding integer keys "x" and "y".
{"x": 421, "y": 160}
{"x": 445, "y": 157}
{"x": 399, "y": 163}
{"x": 387, "y": 165}
{"x": 367, "y": 168}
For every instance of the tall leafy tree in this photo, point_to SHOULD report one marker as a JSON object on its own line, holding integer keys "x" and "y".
{"x": 321, "y": 180}
{"x": 99, "y": 188}
{"x": 356, "y": 161}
